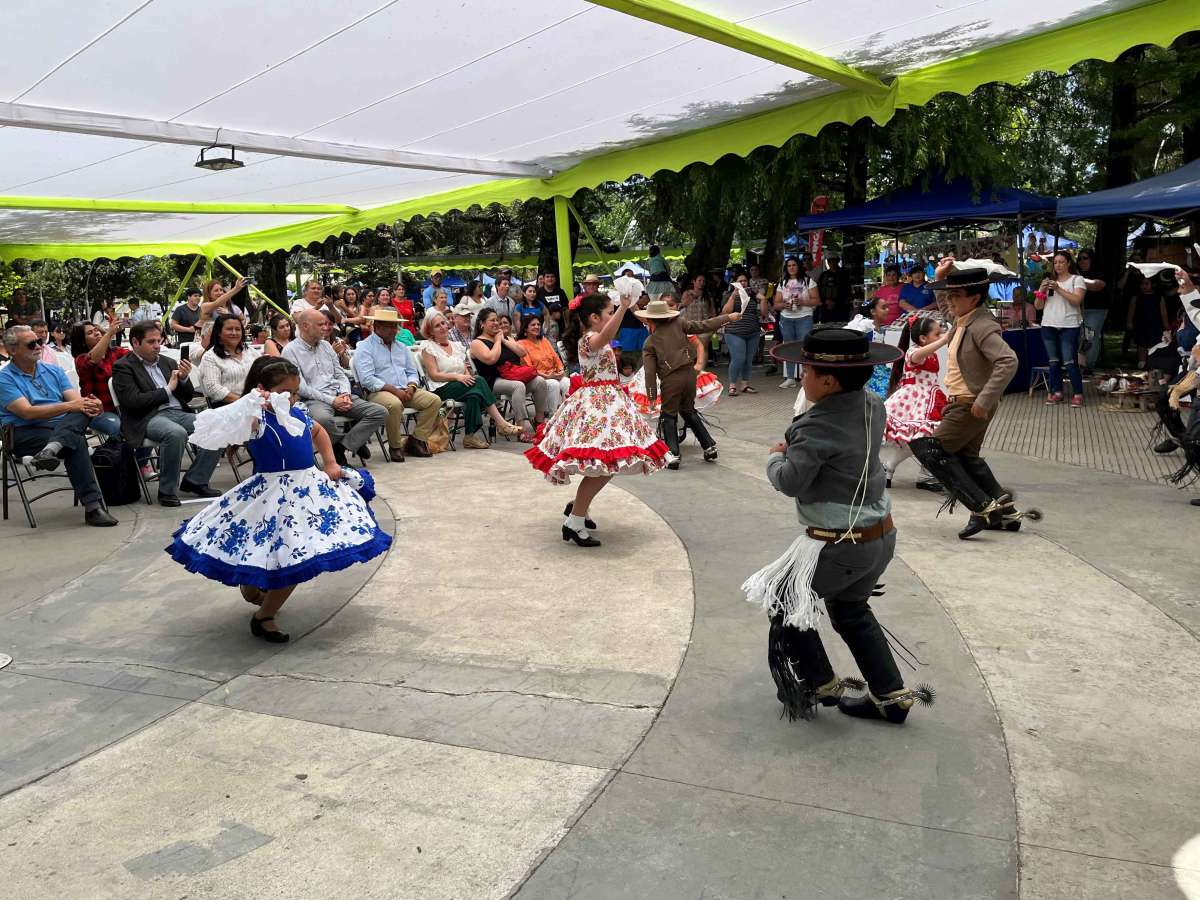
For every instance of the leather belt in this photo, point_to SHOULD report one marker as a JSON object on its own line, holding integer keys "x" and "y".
{"x": 874, "y": 532}
{"x": 962, "y": 398}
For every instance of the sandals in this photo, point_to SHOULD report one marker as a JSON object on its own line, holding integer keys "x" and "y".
{"x": 749, "y": 390}
{"x": 508, "y": 429}
{"x": 733, "y": 392}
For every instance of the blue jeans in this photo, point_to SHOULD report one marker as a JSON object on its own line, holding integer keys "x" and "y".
{"x": 793, "y": 330}
{"x": 1094, "y": 320}
{"x": 170, "y": 428}
{"x": 741, "y": 353}
{"x": 1062, "y": 345}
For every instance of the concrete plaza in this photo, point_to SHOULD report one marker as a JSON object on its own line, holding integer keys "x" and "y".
{"x": 487, "y": 711}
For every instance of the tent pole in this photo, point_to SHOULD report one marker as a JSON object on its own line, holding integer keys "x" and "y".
{"x": 562, "y": 236}
{"x": 183, "y": 286}
{"x": 253, "y": 288}
{"x": 1021, "y": 270}
{"x": 587, "y": 233}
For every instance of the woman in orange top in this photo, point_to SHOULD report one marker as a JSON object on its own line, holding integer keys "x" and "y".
{"x": 543, "y": 357}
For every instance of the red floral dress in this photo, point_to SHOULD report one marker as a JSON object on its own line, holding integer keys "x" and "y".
{"x": 597, "y": 431}
{"x": 916, "y": 407}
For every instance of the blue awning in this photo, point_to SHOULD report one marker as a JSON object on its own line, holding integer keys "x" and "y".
{"x": 1168, "y": 196}
{"x": 943, "y": 203}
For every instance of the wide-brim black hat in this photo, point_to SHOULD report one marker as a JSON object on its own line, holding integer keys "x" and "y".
{"x": 967, "y": 278}
{"x": 835, "y": 348}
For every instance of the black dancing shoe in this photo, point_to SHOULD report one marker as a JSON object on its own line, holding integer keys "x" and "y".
{"x": 570, "y": 534}
{"x": 587, "y": 522}
{"x": 710, "y": 454}
{"x": 974, "y": 526}
{"x": 892, "y": 707}
{"x": 271, "y": 637}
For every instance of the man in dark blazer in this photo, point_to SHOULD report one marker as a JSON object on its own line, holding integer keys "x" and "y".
{"x": 153, "y": 395}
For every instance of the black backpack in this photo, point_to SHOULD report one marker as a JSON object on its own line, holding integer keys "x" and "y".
{"x": 117, "y": 472}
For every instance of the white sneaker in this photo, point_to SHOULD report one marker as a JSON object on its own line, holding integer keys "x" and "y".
{"x": 788, "y": 383}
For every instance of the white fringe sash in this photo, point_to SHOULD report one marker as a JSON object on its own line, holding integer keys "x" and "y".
{"x": 785, "y": 585}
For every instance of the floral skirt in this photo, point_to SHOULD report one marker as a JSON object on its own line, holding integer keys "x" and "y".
{"x": 597, "y": 432}
{"x": 277, "y": 529}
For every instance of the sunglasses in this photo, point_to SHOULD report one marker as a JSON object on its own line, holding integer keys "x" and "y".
{"x": 30, "y": 345}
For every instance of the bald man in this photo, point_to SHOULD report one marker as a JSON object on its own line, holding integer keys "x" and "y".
{"x": 325, "y": 388}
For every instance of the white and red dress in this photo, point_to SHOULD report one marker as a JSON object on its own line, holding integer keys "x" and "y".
{"x": 708, "y": 390}
{"x": 915, "y": 408}
{"x": 597, "y": 431}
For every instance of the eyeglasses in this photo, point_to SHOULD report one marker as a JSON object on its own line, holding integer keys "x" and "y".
{"x": 30, "y": 345}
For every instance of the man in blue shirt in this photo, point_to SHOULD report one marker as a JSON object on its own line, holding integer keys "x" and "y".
{"x": 49, "y": 419}
{"x": 387, "y": 370}
{"x": 435, "y": 285}
{"x": 916, "y": 295}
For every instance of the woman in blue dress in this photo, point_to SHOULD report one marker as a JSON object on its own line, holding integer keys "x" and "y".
{"x": 291, "y": 520}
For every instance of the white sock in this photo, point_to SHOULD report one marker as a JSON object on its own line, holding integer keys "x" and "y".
{"x": 576, "y": 524}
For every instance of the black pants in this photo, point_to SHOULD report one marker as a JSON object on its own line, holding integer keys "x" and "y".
{"x": 71, "y": 432}
{"x": 845, "y": 577}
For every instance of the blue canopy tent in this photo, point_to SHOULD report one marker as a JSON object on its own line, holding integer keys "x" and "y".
{"x": 943, "y": 204}
{"x": 1173, "y": 195}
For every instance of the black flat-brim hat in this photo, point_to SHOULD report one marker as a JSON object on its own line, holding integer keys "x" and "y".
{"x": 836, "y": 347}
{"x": 967, "y": 278}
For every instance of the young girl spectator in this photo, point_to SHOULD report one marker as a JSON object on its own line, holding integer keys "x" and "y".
{"x": 872, "y": 323}
{"x": 291, "y": 520}
{"x": 597, "y": 432}
{"x": 889, "y": 293}
{"x": 1147, "y": 320}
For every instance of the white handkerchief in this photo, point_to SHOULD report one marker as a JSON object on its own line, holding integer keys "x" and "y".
{"x": 281, "y": 405}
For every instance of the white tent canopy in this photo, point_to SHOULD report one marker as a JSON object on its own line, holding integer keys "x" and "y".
{"x": 369, "y": 104}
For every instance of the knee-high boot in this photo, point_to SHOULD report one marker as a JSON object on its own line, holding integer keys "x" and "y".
{"x": 668, "y": 429}
{"x": 802, "y": 671}
{"x": 948, "y": 468}
{"x": 695, "y": 421}
{"x": 1007, "y": 518}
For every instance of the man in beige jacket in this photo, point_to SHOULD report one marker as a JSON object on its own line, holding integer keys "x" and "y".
{"x": 979, "y": 368}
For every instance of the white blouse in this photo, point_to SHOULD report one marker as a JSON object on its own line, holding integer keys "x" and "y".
{"x": 1061, "y": 312}
{"x": 221, "y": 377}
{"x": 452, "y": 362}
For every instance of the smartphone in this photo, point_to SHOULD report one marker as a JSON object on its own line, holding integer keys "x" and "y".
{"x": 185, "y": 352}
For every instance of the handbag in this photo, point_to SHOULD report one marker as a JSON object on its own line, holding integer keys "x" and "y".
{"x": 439, "y": 439}
{"x": 512, "y": 372}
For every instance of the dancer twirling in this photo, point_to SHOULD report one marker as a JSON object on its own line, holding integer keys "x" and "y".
{"x": 290, "y": 521}
{"x": 829, "y": 462}
{"x": 670, "y": 355}
{"x": 979, "y": 368}
{"x": 597, "y": 432}
{"x": 915, "y": 405}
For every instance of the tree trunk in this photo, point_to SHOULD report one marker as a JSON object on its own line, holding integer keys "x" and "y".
{"x": 715, "y": 225}
{"x": 1111, "y": 233}
{"x": 1187, "y": 50}
{"x": 857, "y": 155}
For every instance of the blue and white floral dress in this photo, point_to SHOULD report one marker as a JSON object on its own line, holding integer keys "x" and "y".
{"x": 287, "y": 523}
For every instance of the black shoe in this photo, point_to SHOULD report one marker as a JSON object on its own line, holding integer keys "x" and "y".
{"x": 169, "y": 500}
{"x": 581, "y": 541}
{"x": 1167, "y": 446}
{"x": 363, "y": 452}
{"x": 200, "y": 490}
{"x": 864, "y": 707}
{"x": 587, "y": 522}
{"x": 710, "y": 454}
{"x": 339, "y": 454}
{"x": 976, "y": 524}
{"x": 1195, "y": 502}
{"x": 930, "y": 484}
{"x": 99, "y": 518}
{"x": 673, "y": 465}
{"x": 44, "y": 461}
{"x": 271, "y": 637}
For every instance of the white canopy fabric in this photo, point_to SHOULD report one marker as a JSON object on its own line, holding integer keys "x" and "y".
{"x": 502, "y": 99}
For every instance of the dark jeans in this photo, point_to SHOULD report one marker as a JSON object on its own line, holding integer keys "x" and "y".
{"x": 1062, "y": 347}
{"x": 71, "y": 432}
{"x": 845, "y": 577}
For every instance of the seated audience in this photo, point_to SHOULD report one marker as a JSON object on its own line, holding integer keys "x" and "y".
{"x": 387, "y": 370}
{"x": 224, "y": 367}
{"x": 49, "y": 419}
{"x": 496, "y": 355}
{"x": 153, "y": 394}
{"x": 94, "y": 359}
{"x": 325, "y": 388}
{"x": 281, "y": 334}
{"x": 544, "y": 358}
{"x": 447, "y": 366}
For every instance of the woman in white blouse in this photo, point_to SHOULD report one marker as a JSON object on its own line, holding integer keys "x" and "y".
{"x": 224, "y": 367}
{"x": 446, "y": 367}
{"x": 1061, "y": 298}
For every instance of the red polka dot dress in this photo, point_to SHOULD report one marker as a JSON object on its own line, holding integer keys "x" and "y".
{"x": 915, "y": 409}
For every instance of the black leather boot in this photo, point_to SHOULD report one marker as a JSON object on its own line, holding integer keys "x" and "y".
{"x": 959, "y": 484}
{"x": 668, "y": 428}
{"x": 695, "y": 421}
{"x": 1006, "y": 518}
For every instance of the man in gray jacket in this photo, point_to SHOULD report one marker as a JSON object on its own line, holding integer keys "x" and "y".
{"x": 829, "y": 463}
{"x": 979, "y": 367}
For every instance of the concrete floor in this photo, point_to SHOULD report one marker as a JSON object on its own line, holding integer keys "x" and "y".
{"x": 488, "y": 711}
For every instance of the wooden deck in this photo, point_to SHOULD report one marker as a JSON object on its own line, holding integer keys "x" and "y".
{"x": 1094, "y": 437}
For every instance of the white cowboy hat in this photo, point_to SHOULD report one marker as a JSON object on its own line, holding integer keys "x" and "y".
{"x": 656, "y": 309}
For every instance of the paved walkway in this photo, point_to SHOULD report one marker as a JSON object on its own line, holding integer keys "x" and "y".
{"x": 489, "y": 711}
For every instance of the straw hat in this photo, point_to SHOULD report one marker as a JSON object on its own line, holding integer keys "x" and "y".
{"x": 656, "y": 309}
{"x": 386, "y": 314}
{"x": 591, "y": 279}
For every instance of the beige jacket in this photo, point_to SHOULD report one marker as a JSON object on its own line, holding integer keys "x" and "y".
{"x": 668, "y": 348}
{"x": 985, "y": 361}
